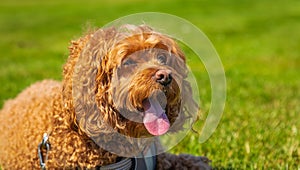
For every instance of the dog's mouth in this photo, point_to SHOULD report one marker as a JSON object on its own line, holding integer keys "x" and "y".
{"x": 148, "y": 99}
{"x": 155, "y": 118}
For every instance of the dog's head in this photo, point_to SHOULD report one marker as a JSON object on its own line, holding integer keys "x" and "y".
{"x": 131, "y": 80}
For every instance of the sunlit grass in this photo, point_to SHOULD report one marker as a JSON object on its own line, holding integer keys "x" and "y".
{"x": 258, "y": 43}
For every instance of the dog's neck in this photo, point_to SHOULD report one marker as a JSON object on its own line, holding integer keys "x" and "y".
{"x": 146, "y": 160}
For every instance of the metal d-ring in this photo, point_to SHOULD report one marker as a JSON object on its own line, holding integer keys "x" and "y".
{"x": 43, "y": 145}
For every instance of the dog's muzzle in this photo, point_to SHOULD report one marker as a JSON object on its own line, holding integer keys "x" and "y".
{"x": 163, "y": 77}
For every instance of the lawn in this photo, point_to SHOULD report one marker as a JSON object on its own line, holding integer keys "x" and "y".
{"x": 258, "y": 43}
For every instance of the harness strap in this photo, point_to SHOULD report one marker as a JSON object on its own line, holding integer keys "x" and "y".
{"x": 143, "y": 162}
{"x": 124, "y": 164}
{"x": 147, "y": 161}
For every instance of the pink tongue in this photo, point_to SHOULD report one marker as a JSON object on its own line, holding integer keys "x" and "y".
{"x": 155, "y": 118}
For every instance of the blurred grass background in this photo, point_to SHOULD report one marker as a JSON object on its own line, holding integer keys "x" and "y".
{"x": 258, "y": 43}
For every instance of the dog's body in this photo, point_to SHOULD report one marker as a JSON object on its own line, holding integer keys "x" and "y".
{"x": 109, "y": 78}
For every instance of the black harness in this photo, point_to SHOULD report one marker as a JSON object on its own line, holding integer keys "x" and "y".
{"x": 143, "y": 162}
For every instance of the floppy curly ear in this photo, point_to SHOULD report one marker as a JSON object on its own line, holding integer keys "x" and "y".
{"x": 188, "y": 107}
{"x": 191, "y": 107}
{"x": 75, "y": 50}
{"x": 86, "y": 76}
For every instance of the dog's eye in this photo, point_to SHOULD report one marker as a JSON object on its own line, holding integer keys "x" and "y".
{"x": 129, "y": 62}
{"x": 162, "y": 58}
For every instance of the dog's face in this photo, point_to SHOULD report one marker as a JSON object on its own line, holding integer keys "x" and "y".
{"x": 147, "y": 84}
{"x": 134, "y": 84}
{"x": 146, "y": 87}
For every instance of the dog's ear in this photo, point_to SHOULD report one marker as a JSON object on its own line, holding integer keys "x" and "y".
{"x": 75, "y": 50}
{"x": 86, "y": 77}
{"x": 189, "y": 108}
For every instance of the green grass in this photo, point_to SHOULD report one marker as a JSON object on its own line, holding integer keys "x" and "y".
{"x": 258, "y": 42}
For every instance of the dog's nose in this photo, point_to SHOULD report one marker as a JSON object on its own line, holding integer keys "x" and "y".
{"x": 163, "y": 77}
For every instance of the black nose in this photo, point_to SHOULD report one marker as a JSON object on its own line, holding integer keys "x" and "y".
{"x": 163, "y": 77}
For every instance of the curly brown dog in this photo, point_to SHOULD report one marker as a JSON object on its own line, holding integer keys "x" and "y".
{"x": 121, "y": 89}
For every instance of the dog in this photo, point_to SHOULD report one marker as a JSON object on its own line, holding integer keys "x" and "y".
{"x": 122, "y": 88}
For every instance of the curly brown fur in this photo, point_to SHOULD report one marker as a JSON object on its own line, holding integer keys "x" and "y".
{"x": 85, "y": 105}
